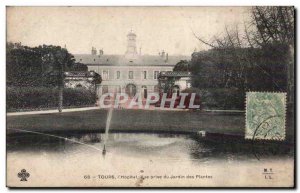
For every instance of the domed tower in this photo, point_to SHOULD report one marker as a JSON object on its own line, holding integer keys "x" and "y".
{"x": 131, "y": 52}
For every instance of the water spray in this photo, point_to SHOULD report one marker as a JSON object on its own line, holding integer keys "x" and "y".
{"x": 108, "y": 120}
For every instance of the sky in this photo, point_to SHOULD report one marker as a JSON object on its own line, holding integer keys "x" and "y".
{"x": 157, "y": 28}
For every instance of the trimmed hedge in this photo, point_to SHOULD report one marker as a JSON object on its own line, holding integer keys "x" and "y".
{"x": 220, "y": 98}
{"x": 46, "y": 97}
{"x": 223, "y": 98}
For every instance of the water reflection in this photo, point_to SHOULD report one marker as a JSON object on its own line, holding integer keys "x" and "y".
{"x": 237, "y": 148}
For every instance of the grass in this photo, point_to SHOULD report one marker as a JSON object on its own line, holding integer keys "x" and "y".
{"x": 130, "y": 120}
{"x": 133, "y": 121}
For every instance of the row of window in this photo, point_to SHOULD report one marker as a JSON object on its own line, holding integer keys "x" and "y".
{"x": 118, "y": 89}
{"x": 105, "y": 75}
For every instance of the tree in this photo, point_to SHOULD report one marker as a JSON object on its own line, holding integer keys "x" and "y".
{"x": 60, "y": 60}
{"x": 258, "y": 58}
{"x": 275, "y": 26}
{"x": 183, "y": 65}
{"x": 80, "y": 67}
{"x": 38, "y": 66}
{"x": 265, "y": 45}
{"x": 28, "y": 66}
{"x": 166, "y": 84}
{"x": 23, "y": 66}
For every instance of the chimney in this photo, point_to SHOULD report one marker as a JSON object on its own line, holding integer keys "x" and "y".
{"x": 101, "y": 52}
{"x": 163, "y": 54}
{"x": 94, "y": 51}
{"x": 167, "y": 57}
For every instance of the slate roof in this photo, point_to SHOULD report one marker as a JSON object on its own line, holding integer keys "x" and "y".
{"x": 116, "y": 60}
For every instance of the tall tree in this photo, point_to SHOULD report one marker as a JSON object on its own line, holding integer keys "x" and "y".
{"x": 264, "y": 42}
{"x": 38, "y": 66}
{"x": 182, "y": 65}
{"x": 60, "y": 60}
{"x": 276, "y": 26}
{"x": 28, "y": 66}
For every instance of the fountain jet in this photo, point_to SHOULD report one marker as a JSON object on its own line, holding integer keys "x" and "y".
{"x": 108, "y": 121}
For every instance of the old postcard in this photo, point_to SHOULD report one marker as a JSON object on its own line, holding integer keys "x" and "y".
{"x": 150, "y": 97}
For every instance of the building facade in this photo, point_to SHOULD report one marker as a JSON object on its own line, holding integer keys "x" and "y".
{"x": 81, "y": 79}
{"x": 130, "y": 73}
{"x": 177, "y": 81}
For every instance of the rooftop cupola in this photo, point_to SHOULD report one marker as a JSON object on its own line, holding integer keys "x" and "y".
{"x": 131, "y": 52}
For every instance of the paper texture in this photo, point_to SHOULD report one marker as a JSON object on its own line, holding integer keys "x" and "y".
{"x": 150, "y": 97}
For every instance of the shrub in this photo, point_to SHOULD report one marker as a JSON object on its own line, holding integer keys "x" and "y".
{"x": 46, "y": 97}
{"x": 192, "y": 90}
{"x": 222, "y": 98}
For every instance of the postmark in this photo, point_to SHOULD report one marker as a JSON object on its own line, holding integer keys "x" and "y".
{"x": 265, "y": 116}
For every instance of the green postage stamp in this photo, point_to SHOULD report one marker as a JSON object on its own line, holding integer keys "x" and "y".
{"x": 265, "y": 115}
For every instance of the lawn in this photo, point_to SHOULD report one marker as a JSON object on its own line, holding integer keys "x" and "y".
{"x": 133, "y": 121}
{"x": 130, "y": 120}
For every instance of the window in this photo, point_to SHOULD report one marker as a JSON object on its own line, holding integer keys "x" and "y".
{"x": 130, "y": 75}
{"x": 156, "y": 74}
{"x": 105, "y": 75}
{"x": 104, "y": 89}
{"x": 144, "y": 74}
{"x": 117, "y": 89}
{"x": 118, "y": 74}
{"x": 156, "y": 89}
{"x": 145, "y": 93}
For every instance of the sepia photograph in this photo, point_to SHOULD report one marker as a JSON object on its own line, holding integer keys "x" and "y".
{"x": 150, "y": 97}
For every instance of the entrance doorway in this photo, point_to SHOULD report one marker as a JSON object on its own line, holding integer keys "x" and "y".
{"x": 130, "y": 90}
{"x": 144, "y": 91}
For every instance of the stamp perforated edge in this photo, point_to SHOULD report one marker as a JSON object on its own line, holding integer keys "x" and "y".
{"x": 285, "y": 110}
